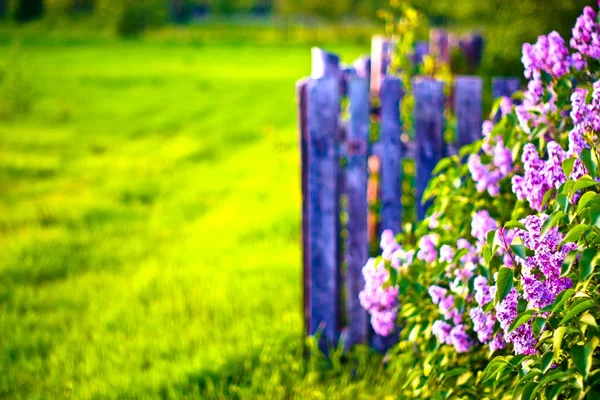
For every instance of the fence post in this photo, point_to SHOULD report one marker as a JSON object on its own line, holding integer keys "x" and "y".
{"x": 390, "y": 95}
{"x": 382, "y": 50}
{"x": 429, "y": 126}
{"x": 468, "y": 92}
{"x": 322, "y": 97}
{"x": 356, "y": 190}
{"x": 505, "y": 86}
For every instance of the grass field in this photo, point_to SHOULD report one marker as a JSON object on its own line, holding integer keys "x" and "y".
{"x": 149, "y": 223}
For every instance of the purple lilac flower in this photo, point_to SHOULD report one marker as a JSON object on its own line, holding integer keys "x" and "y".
{"x": 441, "y": 330}
{"x": 522, "y": 339}
{"x": 437, "y": 293}
{"x": 481, "y": 224}
{"x": 461, "y": 341}
{"x": 548, "y": 54}
{"x": 446, "y": 253}
{"x": 380, "y": 302}
{"x": 483, "y": 323}
{"x": 586, "y": 39}
{"x": 427, "y": 251}
{"x": 506, "y": 310}
{"x": 542, "y": 280}
{"x": 383, "y": 322}
{"x": 487, "y": 177}
{"x": 482, "y": 291}
{"x": 497, "y": 342}
{"x": 434, "y": 221}
{"x": 539, "y": 175}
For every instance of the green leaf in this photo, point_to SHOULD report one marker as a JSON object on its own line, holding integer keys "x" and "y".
{"x": 584, "y": 182}
{"x": 585, "y": 199}
{"x": 582, "y": 358}
{"x": 547, "y": 361}
{"x": 575, "y": 233}
{"x": 588, "y": 319}
{"x": 553, "y": 391}
{"x": 577, "y": 309}
{"x": 443, "y": 164}
{"x": 568, "y": 261}
{"x": 515, "y": 224}
{"x": 563, "y": 201}
{"x": 520, "y": 320}
{"x": 551, "y": 221}
{"x": 547, "y": 196}
{"x": 567, "y": 166}
{"x": 528, "y": 390}
{"x": 589, "y": 162}
{"x": 519, "y": 250}
{"x": 561, "y": 298}
{"x": 586, "y": 263}
{"x": 538, "y": 325}
{"x": 504, "y": 283}
{"x": 558, "y": 337}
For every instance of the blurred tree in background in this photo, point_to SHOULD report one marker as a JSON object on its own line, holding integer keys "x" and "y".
{"x": 505, "y": 24}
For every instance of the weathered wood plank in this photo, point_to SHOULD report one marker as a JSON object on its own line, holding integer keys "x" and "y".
{"x": 390, "y": 130}
{"x": 303, "y": 141}
{"x": 362, "y": 66}
{"x": 324, "y": 63}
{"x": 382, "y": 50}
{"x": 505, "y": 86}
{"x": 356, "y": 190}
{"x": 390, "y": 95}
{"x": 429, "y": 128}
{"x": 468, "y": 103}
{"x": 323, "y": 208}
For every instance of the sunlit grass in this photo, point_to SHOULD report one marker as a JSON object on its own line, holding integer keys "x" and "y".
{"x": 149, "y": 226}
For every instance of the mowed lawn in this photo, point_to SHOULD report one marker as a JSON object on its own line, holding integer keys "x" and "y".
{"x": 150, "y": 223}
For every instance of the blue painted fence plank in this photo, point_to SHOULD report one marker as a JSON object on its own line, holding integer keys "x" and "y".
{"x": 323, "y": 208}
{"x": 429, "y": 127}
{"x": 505, "y": 86}
{"x": 390, "y": 95}
{"x": 356, "y": 190}
{"x": 468, "y": 103}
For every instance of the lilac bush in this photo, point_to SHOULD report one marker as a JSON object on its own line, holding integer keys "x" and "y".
{"x": 497, "y": 291}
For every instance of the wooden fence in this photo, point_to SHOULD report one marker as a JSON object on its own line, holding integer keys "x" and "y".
{"x": 335, "y": 149}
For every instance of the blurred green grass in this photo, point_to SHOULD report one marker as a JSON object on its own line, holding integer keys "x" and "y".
{"x": 149, "y": 224}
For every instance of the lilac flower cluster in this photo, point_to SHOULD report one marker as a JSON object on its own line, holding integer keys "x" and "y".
{"x": 541, "y": 279}
{"x": 586, "y": 34}
{"x": 483, "y": 323}
{"x": 481, "y": 224}
{"x": 549, "y": 54}
{"x": 522, "y": 337}
{"x": 393, "y": 252}
{"x": 539, "y": 175}
{"x": 447, "y": 334}
{"x": 533, "y": 110}
{"x": 427, "y": 251}
{"x": 488, "y": 176}
{"x": 379, "y": 301}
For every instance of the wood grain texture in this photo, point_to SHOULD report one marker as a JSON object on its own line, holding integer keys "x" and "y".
{"x": 356, "y": 191}
{"x": 323, "y": 208}
{"x": 468, "y": 103}
{"x": 429, "y": 128}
